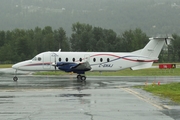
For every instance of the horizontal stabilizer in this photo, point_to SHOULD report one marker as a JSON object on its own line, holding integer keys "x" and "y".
{"x": 167, "y": 39}
{"x": 142, "y": 66}
{"x": 144, "y": 59}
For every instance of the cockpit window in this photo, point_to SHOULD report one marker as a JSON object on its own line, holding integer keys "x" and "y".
{"x": 34, "y": 59}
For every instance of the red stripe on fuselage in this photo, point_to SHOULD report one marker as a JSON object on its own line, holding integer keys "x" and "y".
{"x": 36, "y": 64}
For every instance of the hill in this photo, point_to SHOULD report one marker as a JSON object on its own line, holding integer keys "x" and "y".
{"x": 152, "y": 16}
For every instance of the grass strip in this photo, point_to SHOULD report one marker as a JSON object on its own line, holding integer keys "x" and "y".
{"x": 5, "y": 65}
{"x": 170, "y": 91}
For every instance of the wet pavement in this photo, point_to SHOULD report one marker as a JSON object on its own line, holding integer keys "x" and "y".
{"x": 100, "y": 98}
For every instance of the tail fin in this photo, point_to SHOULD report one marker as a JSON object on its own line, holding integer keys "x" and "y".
{"x": 154, "y": 47}
{"x": 151, "y": 51}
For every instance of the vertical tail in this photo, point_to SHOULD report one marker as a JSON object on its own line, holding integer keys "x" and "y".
{"x": 150, "y": 52}
{"x": 154, "y": 47}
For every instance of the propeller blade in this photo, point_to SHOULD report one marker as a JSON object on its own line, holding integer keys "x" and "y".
{"x": 55, "y": 63}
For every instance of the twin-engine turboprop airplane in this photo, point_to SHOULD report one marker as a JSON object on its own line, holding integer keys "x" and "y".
{"x": 80, "y": 62}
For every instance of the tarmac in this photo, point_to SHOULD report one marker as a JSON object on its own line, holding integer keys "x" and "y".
{"x": 99, "y": 98}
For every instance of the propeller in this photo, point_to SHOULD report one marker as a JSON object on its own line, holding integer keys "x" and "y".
{"x": 55, "y": 62}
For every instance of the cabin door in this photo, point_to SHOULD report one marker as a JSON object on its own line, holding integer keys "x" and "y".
{"x": 47, "y": 61}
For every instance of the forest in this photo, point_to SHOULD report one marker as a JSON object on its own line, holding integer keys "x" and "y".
{"x": 21, "y": 44}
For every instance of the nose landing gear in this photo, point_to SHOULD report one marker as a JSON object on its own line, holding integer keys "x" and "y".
{"x": 15, "y": 78}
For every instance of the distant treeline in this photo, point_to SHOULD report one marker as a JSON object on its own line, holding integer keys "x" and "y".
{"x": 20, "y": 44}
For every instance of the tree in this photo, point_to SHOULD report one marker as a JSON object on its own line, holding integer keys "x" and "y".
{"x": 61, "y": 40}
{"x": 175, "y": 55}
{"x": 23, "y": 48}
{"x": 82, "y": 34}
{"x": 133, "y": 40}
{"x": 87, "y": 38}
{"x": 38, "y": 40}
{"x": 48, "y": 40}
{"x": 2, "y": 38}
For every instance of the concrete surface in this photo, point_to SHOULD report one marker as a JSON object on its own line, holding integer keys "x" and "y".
{"x": 100, "y": 98}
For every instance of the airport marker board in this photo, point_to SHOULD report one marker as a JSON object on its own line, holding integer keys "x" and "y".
{"x": 167, "y": 66}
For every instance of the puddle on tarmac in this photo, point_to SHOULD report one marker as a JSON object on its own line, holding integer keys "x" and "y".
{"x": 7, "y": 96}
{"x": 73, "y": 95}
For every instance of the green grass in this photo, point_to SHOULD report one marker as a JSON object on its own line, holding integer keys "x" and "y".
{"x": 171, "y": 91}
{"x": 5, "y": 65}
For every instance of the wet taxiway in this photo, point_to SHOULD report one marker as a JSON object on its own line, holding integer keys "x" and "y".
{"x": 100, "y": 98}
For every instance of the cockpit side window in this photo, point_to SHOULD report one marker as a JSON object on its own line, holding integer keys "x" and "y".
{"x": 34, "y": 59}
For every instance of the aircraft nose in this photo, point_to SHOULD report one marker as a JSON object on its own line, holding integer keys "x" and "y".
{"x": 21, "y": 65}
{"x": 15, "y": 66}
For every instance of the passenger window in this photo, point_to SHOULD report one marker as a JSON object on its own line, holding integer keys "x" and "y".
{"x": 39, "y": 59}
{"x": 108, "y": 59}
{"x": 59, "y": 59}
{"x": 73, "y": 59}
{"x": 101, "y": 59}
{"x": 94, "y": 59}
{"x": 80, "y": 59}
{"x": 66, "y": 59}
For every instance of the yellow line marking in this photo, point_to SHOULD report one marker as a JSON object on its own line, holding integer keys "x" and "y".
{"x": 138, "y": 95}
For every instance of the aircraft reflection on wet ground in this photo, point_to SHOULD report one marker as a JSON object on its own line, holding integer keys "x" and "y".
{"x": 100, "y": 98}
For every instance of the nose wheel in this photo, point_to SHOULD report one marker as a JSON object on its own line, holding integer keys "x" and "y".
{"x": 15, "y": 78}
{"x": 81, "y": 78}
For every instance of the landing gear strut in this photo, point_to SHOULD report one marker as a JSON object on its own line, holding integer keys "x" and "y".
{"x": 15, "y": 78}
{"x": 81, "y": 78}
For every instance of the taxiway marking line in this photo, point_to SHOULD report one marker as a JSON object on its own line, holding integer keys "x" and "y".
{"x": 138, "y": 95}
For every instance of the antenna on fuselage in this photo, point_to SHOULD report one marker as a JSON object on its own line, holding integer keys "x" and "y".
{"x": 59, "y": 50}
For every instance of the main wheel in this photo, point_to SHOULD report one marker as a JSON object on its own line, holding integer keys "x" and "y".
{"x": 78, "y": 78}
{"x": 15, "y": 78}
{"x": 83, "y": 78}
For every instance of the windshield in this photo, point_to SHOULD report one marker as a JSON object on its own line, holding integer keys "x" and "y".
{"x": 34, "y": 59}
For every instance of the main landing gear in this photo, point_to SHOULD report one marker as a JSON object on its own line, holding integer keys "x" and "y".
{"x": 81, "y": 78}
{"x": 15, "y": 78}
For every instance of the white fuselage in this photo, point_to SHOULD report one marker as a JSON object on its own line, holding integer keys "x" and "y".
{"x": 99, "y": 61}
